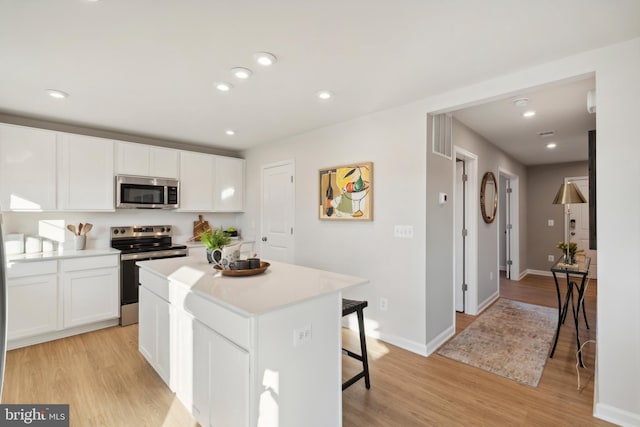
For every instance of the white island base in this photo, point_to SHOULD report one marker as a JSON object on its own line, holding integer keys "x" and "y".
{"x": 261, "y": 350}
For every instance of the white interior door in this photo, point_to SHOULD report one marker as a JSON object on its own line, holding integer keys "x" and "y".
{"x": 278, "y": 212}
{"x": 579, "y": 224}
{"x": 459, "y": 208}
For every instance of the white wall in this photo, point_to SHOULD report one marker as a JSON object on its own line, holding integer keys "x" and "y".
{"x": 393, "y": 141}
{"x": 409, "y": 273}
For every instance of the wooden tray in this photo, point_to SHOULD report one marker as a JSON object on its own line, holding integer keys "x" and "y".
{"x": 249, "y": 272}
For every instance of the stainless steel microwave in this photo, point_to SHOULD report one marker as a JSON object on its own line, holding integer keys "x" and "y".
{"x": 138, "y": 192}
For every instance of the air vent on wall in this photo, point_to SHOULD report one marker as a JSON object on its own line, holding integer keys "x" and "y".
{"x": 546, "y": 133}
{"x": 442, "y": 138}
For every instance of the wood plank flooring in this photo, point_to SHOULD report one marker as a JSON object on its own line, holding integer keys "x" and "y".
{"x": 108, "y": 383}
{"x": 410, "y": 390}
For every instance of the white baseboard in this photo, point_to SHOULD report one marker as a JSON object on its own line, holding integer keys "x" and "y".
{"x": 537, "y": 273}
{"x": 403, "y": 343}
{"x": 486, "y": 303}
{"x": 435, "y": 343}
{"x": 24, "y": 342}
{"x": 615, "y": 415}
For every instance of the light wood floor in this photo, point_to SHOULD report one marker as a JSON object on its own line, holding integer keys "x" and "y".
{"x": 108, "y": 383}
{"x": 410, "y": 390}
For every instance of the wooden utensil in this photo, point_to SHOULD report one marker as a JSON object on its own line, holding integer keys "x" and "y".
{"x": 80, "y": 228}
{"x": 87, "y": 228}
{"x": 71, "y": 228}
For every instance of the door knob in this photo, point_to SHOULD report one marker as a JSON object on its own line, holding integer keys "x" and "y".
{"x": 573, "y": 233}
{"x": 264, "y": 239}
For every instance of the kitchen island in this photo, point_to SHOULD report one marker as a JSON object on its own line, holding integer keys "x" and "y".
{"x": 259, "y": 350}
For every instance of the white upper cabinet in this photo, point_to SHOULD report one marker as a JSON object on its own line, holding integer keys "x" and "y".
{"x": 146, "y": 160}
{"x": 197, "y": 176}
{"x": 229, "y": 185}
{"x": 86, "y": 181}
{"x": 27, "y": 169}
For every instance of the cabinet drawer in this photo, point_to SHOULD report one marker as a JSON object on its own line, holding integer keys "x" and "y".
{"x": 230, "y": 325}
{"x": 24, "y": 269}
{"x": 156, "y": 284}
{"x": 89, "y": 263}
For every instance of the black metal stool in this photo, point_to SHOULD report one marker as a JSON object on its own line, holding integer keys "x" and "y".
{"x": 350, "y": 306}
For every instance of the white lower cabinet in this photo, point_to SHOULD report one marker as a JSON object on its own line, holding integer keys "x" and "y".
{"x": 56, "y": 298}
{"x": 90, "y": 296}
{"x": 154, "y": 332}
{"x": 33, "y": 306}
{"x": 220, "y": 381}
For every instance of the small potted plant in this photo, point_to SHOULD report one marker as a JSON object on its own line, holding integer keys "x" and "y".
{"x": 214, "y": 239}
{"x": 569, "y": 251}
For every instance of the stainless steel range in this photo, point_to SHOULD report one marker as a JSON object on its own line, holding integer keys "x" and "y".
{"x": 139, "y": 243}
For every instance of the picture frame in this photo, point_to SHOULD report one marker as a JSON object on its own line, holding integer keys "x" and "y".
{"x": 346, "y": 192}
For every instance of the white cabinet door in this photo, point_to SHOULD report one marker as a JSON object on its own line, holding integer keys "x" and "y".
{"x": 146, "y": 160}
{"x": 86, "y": 181}
{"x": 154, "y": 332}
{"x": 229, "y": 185}
{"x": 132, "y": 159}
{"x": 182, "y": 347}
{"x": 90, "y": 296}
{"x": 220, "y": 381}
{"x": 32, "y": 305}
{"x": 27, "y": 169}
{"x": 163, "y": 162}
{"x": 196, "y": 182}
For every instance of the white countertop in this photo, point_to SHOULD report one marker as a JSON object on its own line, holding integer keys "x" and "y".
{"x": 64, "y": 254}
{"x": 280, "y": 286}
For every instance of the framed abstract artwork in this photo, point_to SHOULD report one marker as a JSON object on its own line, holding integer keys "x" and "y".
{"x": 346, "y": 192}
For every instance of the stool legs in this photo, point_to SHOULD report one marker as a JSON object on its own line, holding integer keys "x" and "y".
{"x": 363, "y": 346}
{"x": 361, "y": 357}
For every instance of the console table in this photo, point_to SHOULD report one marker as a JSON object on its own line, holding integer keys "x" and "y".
{"x": 573, "y": 273}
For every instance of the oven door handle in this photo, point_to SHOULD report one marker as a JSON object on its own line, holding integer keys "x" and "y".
{"x": 153, "y": 255}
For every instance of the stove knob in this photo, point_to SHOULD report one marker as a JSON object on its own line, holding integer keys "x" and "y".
{"x": 122, "y": 230}
{"x": 162, "y": 230}
{"x": 168, "y": 229}
{"x": 116, "y": 231}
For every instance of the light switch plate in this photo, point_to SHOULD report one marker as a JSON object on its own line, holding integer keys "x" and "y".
{"x": 403, "y": 231}
{"x": 550, "y": 223}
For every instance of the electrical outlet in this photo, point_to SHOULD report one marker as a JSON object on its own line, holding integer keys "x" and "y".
{"x": 302, "y": 336}
{"x": 384, "y": 304}
{"x": 403, "y": 231}
{"x": 551, "y": 223}
{"x": 551, "y": 258}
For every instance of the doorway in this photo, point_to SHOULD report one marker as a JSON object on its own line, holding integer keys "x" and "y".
{"x": 509, "y": 225}
{"x": 465, "y": 201}
{"x": 277, "y": 212}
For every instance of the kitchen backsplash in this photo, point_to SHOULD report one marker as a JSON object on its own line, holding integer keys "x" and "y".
{"x": 53, "y": 224}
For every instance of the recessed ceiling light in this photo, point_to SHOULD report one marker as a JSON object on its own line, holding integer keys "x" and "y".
{"x": 551, "y": 145}
{"x": 58, "y": 94}
{"x": 521, "y": 102}
{"x": 241, "y": 72}
{"x": 265, "y": 59}
{"x": 223, "y": 86}
{"x": 529, "y": 113}
{"x": 230, "y": 132}
{"x": 324, "y": 95}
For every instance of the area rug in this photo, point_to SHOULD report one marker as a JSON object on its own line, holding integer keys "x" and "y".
{"x": 510, "y": 339}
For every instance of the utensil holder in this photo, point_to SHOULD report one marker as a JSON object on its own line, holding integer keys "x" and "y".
{"x": 79, "y": 242}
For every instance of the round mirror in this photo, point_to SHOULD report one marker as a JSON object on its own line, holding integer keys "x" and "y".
{"x": 489, "y": 197}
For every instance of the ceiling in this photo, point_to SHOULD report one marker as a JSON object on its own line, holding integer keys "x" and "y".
{"x": 147, "y": 67}
{"x": 561, "y": 108}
